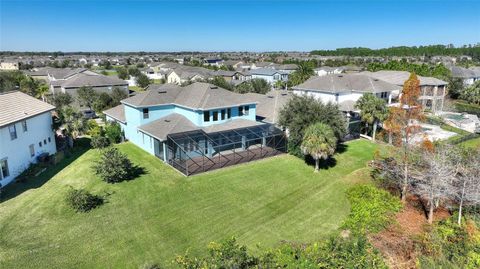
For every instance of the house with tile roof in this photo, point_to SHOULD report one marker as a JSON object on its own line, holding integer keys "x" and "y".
{"x": 25, "y": 133}
{"x": 198, "y": 127}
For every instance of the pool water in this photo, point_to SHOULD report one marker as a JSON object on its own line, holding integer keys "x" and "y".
{"x": 456, "y": 117}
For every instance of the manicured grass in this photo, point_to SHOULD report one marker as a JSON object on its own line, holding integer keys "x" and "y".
{"x": 162, "y": 213}
{"x": 472, "y": 143}
{"x": 135, "y": 88}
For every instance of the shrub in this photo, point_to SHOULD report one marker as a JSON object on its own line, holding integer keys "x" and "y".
{"x": 82, "y": 201}
{"x": 113, "y": 132}
{"x": 99, "y": 142}
{"x": 371, "y": 209}
{"x": 114, "y": 166}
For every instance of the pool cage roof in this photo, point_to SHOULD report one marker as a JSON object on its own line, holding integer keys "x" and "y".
{"x": 198, "y": 151}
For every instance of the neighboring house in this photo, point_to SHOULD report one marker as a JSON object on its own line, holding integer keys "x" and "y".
{"x": 184, "y": 74}
{"x": 327, "y": 70}
{"x": 286, "y": 68}
{"x": 152, "y": 74}
{"x": 468, "y": 76}
{"x": 433, "y": 90}
{"x": 69, "y": 80}
{"x": 198, "y": 127}
{"x": 234, "y": 64}
{"x": 269, "y": 74}
{"x": 9, "y": 66}
{"x": 213, "y": 62}
{"x": 230, "y": 75}
{"x": 346, "y": 89}
{"x": 259, "y": 65}
{"x": 25, "y": 133}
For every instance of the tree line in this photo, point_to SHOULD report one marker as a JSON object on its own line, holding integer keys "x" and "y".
{"x": 403, "y": 51}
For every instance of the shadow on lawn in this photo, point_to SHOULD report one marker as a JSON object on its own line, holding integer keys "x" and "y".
{"x": 14, "y": 189}
{"x": 330, "y": 162}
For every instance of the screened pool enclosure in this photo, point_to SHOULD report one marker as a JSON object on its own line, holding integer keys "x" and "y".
{"x": 198, "y": 151}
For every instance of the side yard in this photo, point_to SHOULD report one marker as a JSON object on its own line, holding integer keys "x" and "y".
{"x": 163, "y": 213}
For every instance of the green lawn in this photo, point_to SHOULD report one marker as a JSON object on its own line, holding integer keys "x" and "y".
{"x": 472, "y": 143}
{"x": 162, "y": 213}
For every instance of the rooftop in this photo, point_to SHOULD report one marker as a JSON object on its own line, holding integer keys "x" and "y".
{"x": 399, "y": 77}
{"x": 17, "y": 106}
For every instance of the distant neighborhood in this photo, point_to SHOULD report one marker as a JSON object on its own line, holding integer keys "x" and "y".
{"x": 371, "y": 149}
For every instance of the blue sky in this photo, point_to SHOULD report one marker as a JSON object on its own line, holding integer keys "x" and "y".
{"x": 233, "y": 25}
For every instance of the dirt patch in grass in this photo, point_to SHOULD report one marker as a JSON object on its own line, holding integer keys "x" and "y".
{"x": 397, "y": 242}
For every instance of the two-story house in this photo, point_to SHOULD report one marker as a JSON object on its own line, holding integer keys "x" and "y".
{"x": 25, "y": 133}
{"x": 198, "y": 127}
{"x": 269, "y": 74}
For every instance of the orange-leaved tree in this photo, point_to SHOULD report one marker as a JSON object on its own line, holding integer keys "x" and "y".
{"x": 403, "y": 122}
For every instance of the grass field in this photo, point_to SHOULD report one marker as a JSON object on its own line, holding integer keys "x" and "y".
{"x": 162, "y": 213}
{"x": 472, "y": 143}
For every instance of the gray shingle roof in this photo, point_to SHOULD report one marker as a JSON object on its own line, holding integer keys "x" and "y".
{"x": 270, "y": 104}
{"x": 399, "y": 77}
{"x": 197, "y": 96}
{"x": 460, "y": 72}
{"x": 170, "y": 124}
{"x": 80, "y": 80}
{"x": 117, "y": 113}
{"x": 340, "y": 83}
{"x": 16, "y": 106}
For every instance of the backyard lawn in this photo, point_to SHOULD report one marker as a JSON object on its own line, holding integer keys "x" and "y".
{"x": 472, "y": 143}
{"x": 162, "y": 213}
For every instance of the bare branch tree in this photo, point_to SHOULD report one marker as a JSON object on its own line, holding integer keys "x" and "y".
{"x": 467, "y": 179}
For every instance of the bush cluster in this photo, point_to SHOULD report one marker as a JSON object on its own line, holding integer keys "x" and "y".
{"x": 335, "y": 252}
{"x": 372, "y": 209}
{"x": 82, "y": 201}
{"x": 99, "y": 142}
{"x": 114, "y": 166}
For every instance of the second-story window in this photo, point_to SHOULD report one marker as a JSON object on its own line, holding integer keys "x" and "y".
{"x": 206, "y": 116}
{"x": 24, "y": 126}
{"x": 145, "y": 113}
{"x": 240, "y": 111}
{"x": 229, "y": 113}
{"x": 223, "y": 114}
{"x": 215, "y": 115}
{"x": 246, "y": 110}
{"x": 13, "y": 132}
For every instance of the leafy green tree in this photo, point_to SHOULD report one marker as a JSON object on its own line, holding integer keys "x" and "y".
{"x": 319, "y": 142}
{"x": 117, "y": 96}
{"x": 373, "y": 111}
{"x": 86, "y": 96}
{"x": 61, "y": 100}
{"x": 133, "y": 71}
{"x": 302, "y": 111}
{"x": 114, "y": 166}
{"x": 29, "y": 85}
{"x": 455, "y": 87}
{"x": 260, "y": 85}
{"x": 471, "y": 94}
{"x": 244, "y": 87}
{"x": 10, "y": 80}
{"x": 113, "y": 132}
{"x": 73, "y": 121}
{"x": 142, "y": 80}
{"x": 103, "y": 101}
{"x": 122, "y": 73}
{"x": 222, "y": 83}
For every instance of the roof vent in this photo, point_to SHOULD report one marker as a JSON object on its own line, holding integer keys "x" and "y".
{"x": 269, "y": 96}
{"x": 162, "y": 91}
{"x": 340, "y": 76}
{"x": 213, "y": 87}
{"x": 375, "y": 79}
{"x": 284, "y": 94}
{"x": 167, "y": 120}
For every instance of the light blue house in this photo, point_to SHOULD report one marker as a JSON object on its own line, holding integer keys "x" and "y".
{"x": 25, "y": 133}
{"x": 269, "y": 74}
{"x": 198, "y": 127}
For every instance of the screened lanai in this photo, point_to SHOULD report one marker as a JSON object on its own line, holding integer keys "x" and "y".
{"x": 198, "y": 151}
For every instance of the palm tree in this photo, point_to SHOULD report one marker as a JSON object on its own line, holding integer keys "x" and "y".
{"x": 373, "y": 110}
{"x": 319, "y": 142}
{"x": 42, "y": 90}
{"x": 73, "y": 122}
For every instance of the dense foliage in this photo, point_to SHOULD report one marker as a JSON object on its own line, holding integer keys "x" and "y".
{"x": 113, "y": 132}
{"x": 451, "y": 246}
{"x": 432, "y": 50}
{"x": 303, "y": 111}
{"x": 437, "y": 71}
{"x": 99, "y": 142}
{"x": 256, "y": 85}
{"x": 372, "y": 209}
{"x": 335, "y": 252}
{"x": 114, "y": 166}
{"x": 471, "y": 93}
{"x": 82, "y": 200}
